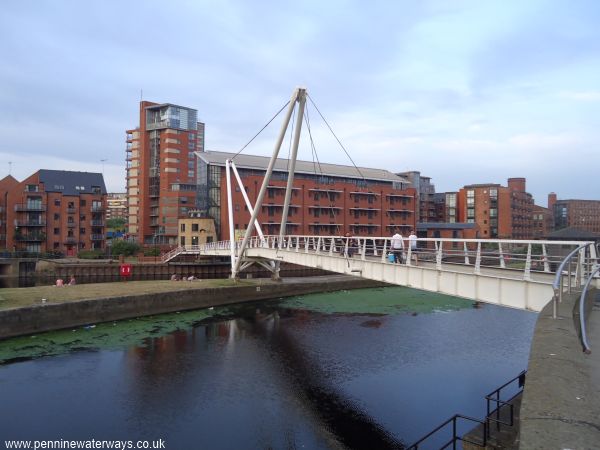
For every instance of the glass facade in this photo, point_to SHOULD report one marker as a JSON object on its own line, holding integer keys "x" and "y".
{"x": 171, "y": 116}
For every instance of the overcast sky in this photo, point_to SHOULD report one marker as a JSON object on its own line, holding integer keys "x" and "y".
{"x": 463, "y": 91}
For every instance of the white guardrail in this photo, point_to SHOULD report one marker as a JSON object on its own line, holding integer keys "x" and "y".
{"x": 524, "y": 255}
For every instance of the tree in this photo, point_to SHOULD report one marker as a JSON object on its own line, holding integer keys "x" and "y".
{"x": 120, "y": 247}
{"x": 116, "y": 224}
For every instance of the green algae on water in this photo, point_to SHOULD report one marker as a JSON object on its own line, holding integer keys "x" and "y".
{"x": 109, "y": 335}
{"x": 388, "y": 300}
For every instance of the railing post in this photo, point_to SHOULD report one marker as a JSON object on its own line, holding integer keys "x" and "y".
{"x": 438, "y": 256}
{"x": 545, "y": 257}
{"x": 364, "y": 249}
{"x": 374, "y": 248}
{"x": 408, "y": 255}
{"x": 331, "y": 245}
{"x": 466, "y": 251}
{"x": 478, "y": 259}
{"x": 569, "y": 281}
{"x": 318, "y": 251}
{"x": 297, "y": 243}
{"x": 384, "y": 251}
{"x": 454, "y": 433}
{"x": 527, "y": 273}
{"x": 502, "y": 262}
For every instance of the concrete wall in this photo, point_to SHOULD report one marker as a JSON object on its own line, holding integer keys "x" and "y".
{"x": 39, "y": 318}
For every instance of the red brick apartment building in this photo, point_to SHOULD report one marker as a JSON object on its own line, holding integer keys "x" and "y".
{"x": 53, "y": 210}
{"x": 500, "y": 212}
{"x": 581, "y": 214}
{"x": 162, "y": 170}
{"x": 543, "y": 222}
{"x": 332, "y": 201}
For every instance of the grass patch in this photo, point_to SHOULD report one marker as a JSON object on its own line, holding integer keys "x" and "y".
{"x": 21, "y": 297}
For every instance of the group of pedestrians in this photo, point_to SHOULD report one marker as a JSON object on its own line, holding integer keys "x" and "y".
{"x": 349, "y": 246}
{"x": 398, "y": 246}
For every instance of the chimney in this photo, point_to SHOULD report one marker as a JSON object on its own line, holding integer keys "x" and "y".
{"x": 551, "y": 200}
{"x": 517, "y": 184}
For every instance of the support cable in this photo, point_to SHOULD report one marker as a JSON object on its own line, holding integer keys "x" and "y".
{"x": 336, "y": 138}
{"x": 316, "y": 156}
{"x": 261, "y": 130}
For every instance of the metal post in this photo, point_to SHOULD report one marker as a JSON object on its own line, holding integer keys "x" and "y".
{"x": 545, "y": 257}
{"x": 266, "y": 180}
{"x": 230, "y": 214}
{"x": 502, "y": 262}
{"x": 246, "y": 199}
{"x": 569, "y": 275}
{"x": 527, "y": 274}
{"x": 301, "y": 98}
{"x": 478, "y": 259}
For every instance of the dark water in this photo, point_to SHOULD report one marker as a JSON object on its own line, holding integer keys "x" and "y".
{"x": 373, "y": 368}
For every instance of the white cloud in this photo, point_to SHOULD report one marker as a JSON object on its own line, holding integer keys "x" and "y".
{"x": 582, "y": 96}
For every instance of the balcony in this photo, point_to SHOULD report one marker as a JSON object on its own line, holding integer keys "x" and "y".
{"x": 97, "y": 223}
{"x": 70, "y": 240}
{"x": 31, "y": 237}
{"x": 71, "y": 224}
{"x": 30, "y": 223}
{"x": 98, "y": 208}
{"x": 71, "y": 210}
{"x": 30, "y": 207}
{"x": 97, "y": 237}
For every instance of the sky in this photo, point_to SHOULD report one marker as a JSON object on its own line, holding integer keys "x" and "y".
{"x": 465, "y": 92}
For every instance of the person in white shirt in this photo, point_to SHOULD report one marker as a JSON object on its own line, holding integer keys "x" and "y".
{"x": 412, "y": 241}
{"x": 397, "y": 247}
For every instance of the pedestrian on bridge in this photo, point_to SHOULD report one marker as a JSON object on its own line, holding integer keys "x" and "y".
{"x": 412, "y": 241}
{"x": 398, "y": 247}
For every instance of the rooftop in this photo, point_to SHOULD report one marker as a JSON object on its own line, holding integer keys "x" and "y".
{"x": 71, "y": 183}
{"x": 281, "y": 165}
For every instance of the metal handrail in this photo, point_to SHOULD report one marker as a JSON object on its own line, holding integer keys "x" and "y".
{"x": 453, "y": 419}
{"x": 586, "y": 346}
{"x": 485, "y": 422}
{"x": 557, "y": 284}
{"x": 499, "y": 403}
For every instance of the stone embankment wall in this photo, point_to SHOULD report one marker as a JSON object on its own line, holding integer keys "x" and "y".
{"x": 40, "y": 318}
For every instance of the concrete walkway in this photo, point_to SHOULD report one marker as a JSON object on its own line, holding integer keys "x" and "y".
{"x": 561, "y": 401}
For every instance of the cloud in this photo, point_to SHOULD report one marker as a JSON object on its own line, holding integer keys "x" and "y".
{"x": 583, "y": 96}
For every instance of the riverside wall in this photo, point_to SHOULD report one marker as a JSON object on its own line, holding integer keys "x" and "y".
{"x": 48, "y": 317}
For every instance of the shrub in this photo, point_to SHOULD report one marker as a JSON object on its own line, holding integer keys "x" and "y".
{"x": 124, "y": 248}
{"x": 152, "y": 251}
{"x": 90, "y": 254}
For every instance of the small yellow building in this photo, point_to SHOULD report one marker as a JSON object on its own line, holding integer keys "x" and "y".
{"x": 196, "y": 231}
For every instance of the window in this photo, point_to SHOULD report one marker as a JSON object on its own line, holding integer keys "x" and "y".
{"x": 195, "y": 227}
{"x": 56, "y": 216}
{"x": 57, "y": 231}
{"x": 183, "y": 229}
{"x": 182, "y": 240}
{"x": 82, "y": 203}
{"x": 57, "y": 202}
{"x": 82, "y": 231}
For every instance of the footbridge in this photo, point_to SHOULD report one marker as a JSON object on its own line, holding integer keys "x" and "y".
{"x": 513, "y": 273}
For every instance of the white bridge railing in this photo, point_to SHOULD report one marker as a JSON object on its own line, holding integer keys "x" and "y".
{"x": 520, "y": 255}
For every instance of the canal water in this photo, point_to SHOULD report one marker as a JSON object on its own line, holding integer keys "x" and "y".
{"x": 369, "y": 368}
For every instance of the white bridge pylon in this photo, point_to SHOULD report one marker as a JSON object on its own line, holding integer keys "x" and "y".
{"x": 239, "y": 259}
